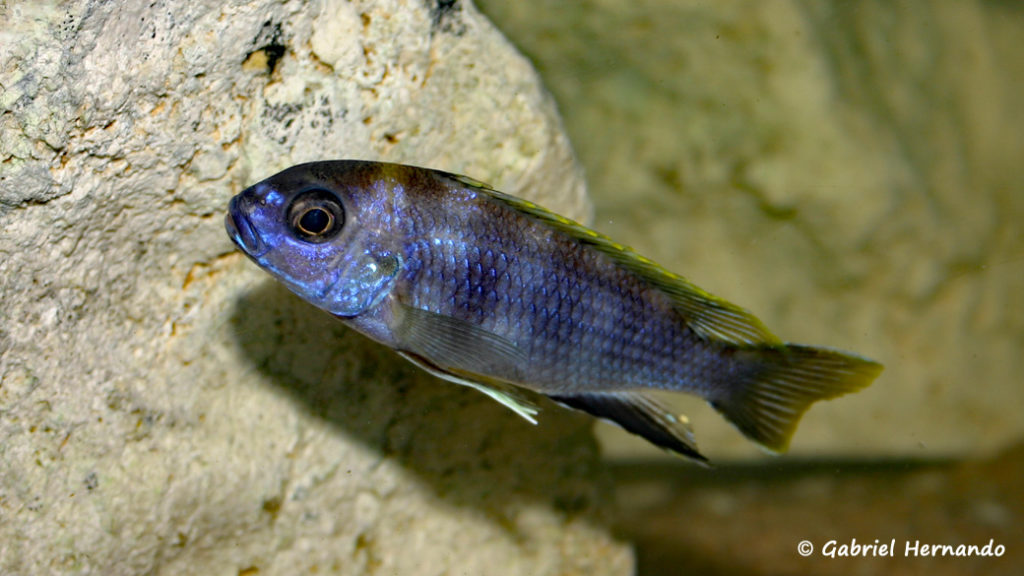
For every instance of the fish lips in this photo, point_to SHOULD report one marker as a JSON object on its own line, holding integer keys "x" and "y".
{"x": 241, "y": 231}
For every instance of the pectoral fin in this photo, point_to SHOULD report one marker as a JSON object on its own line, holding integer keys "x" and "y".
{"x": 640, "y": 415}
{"x": 463, "y": 353}
{"x": 506, "y": 394}
{"x": 453, "y": 343}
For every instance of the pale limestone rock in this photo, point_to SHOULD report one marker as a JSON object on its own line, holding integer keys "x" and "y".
{"x": 851, "y": 172}
{"x": 164, "y": 407}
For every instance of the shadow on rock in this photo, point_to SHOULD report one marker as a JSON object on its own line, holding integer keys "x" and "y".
{"x": 471, "y": 450}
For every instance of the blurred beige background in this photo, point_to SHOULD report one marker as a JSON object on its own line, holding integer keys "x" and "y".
{"x": 849, "y": 171}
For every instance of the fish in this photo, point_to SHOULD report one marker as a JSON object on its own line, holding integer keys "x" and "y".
{"x": 487, "y": 290}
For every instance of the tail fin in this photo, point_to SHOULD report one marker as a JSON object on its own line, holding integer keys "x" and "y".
{"x": 779, "y": 383}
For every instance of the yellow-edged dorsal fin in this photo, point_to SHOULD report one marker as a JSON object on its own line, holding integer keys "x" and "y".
{"x": 707, "y": 315}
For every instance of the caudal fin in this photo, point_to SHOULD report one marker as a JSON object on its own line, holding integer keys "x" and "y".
{"x": 779, "y": 383}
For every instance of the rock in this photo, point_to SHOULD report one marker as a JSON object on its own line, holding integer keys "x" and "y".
{"x": 849, "y": 172}
{"x": 165, "y": 408}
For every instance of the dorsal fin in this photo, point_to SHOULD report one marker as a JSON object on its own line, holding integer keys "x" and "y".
{"x": 707, "y": 315}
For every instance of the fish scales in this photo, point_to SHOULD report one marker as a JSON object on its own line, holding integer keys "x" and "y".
{"x": 584, "y": 324}
{"x": 493, "y": 292}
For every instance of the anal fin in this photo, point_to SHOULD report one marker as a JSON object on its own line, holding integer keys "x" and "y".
{"x": 639, "y": 415}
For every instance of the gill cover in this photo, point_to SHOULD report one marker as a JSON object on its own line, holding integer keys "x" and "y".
{"x": 362, "y": 285}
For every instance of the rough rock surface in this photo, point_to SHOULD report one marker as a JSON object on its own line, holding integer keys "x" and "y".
{"x": 851, "y": 172}
{"x": 164, "y": 407}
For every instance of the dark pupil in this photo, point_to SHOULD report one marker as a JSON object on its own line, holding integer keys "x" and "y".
{"x": 315, "y": 221}
{"x": 315, "y": 216}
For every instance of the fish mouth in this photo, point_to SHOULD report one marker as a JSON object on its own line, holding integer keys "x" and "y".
{"x": 241, "y": 231}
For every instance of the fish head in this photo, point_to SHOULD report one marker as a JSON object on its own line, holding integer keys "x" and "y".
{"x": 318, "y": 230}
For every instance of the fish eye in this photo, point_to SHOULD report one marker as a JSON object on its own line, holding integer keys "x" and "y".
{"x": 316, "y": 216}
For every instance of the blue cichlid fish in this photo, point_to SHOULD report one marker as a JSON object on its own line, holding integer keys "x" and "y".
{"x": 494, "y": 292}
